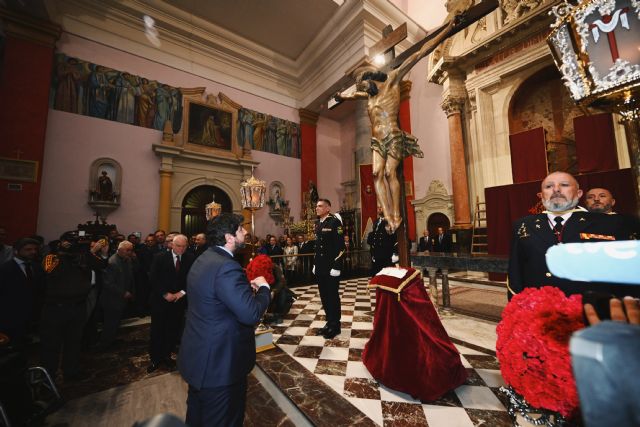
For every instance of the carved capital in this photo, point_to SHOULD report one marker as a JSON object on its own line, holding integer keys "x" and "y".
{"x": 308, "y": 117}
{"x": 405, "y": 89}
{"x": 452, "y": 105}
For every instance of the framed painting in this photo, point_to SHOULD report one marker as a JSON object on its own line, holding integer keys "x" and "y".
{"x": 18, "y": 170}
{"x": 210, "y": 126}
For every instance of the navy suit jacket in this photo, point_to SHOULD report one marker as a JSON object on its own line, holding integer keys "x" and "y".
{"x": 218, "y": 342}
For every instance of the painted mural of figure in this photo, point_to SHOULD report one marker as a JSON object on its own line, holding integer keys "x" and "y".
{"x": 125, "y": 97}
{"x": 258, "y": 131}
{"x": 210, "y": 132}
{"x": 68, "y": 75}
{"x": 98, "y": 100}
{"x": 176, "y": 109}
{"x": 146, "y": 105}
{"x": 163, "y": 107}
{"x": 245, "y": 130}
{"x": 270, "y": 135}
{"x": 295, "y": 140}
{"x": 281, "y": 138}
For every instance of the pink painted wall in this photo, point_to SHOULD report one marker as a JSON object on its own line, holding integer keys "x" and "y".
{"x": 73, "y": 142}
{"x": 331, "y": 157}
{"x": 429, "y": 125}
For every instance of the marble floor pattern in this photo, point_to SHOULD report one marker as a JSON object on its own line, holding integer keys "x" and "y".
{"x": 337, "y": 363}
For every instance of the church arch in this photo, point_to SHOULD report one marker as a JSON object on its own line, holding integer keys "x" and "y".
{"x": 193, "y": 218}
{"x": 435, "y": 220}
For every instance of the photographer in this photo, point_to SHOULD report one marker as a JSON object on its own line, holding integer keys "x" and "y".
{"x": 67, "y": 284}
{"x": 605, "y": 364}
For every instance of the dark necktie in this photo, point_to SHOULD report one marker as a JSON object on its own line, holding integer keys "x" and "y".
{"x": 557, "y": 229}
{"x": 177, "y": 263}
{"x": 28, "y": 271}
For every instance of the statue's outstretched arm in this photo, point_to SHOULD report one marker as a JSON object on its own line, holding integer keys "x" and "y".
{"x": 342, "y": 96}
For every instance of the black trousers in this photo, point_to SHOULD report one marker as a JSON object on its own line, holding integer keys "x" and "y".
{"x": 167, "y": 321}
{"x": 329, "y": 287}
{"x": 217, "y": 406}
{"x": 61, "y": 331}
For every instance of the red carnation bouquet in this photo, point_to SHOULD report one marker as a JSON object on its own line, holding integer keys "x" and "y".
{"x": 261, "y": 265}
{"x": 533, "y": 347}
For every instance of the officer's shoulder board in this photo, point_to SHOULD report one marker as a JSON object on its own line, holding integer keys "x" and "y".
{"x": 50, "y": 263}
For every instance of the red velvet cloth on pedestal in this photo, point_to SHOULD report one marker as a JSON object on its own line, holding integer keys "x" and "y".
{"x": 409, "y": 349}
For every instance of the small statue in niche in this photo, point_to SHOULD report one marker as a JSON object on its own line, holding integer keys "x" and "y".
{"x": 313, "y": 193}
{"x": 105, "y": 188}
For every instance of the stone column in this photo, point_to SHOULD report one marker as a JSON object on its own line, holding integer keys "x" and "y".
{"x": 26, "y": 68}
{"x": 462, "y": 214}
{"x": 164, "y": 205}
{"x": 308, "y": 154}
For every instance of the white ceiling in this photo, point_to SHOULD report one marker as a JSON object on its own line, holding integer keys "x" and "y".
{"x": 265, "y": 22}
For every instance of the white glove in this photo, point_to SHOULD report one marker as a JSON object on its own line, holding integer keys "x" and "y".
{"x": 334, "y": 272}
{"x": 395, "y": 258}
{"x": 313, "y": 269}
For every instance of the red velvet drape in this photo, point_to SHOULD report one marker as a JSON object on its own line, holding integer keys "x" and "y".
{"x": 528, "y": 155}
{"x": 595, "y": 143}
{"x": 507, "y": 203}
{"x": 409, "y": 349}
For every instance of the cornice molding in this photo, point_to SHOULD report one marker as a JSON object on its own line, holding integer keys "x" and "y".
{"x": 198, "y": 47}
{"x": 308, "y": 117}
{"x": 28, "y": 28}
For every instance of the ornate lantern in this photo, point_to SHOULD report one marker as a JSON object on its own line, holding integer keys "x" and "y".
{"x": 212, "y": 209}
{"x": 595, "y": 45}
{"x": 252, "y": 193}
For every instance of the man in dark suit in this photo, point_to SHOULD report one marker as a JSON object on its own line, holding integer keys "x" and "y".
{"x": 117, "y": 291}
{"x": 382, "y": 244}
{"x": 327, "y": 265}
{"x": 274, "y": 249}
{"x": 442, "y": 242}
{"x": 168, "y": 290}
{"x": 21, "y": 290}
{"x": 218, "y": 345}
{"x": 562, "y": 222}
{"x": 425, "y": 243}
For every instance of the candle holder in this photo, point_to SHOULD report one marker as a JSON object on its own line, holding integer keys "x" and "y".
{"x": 252, "y": 193}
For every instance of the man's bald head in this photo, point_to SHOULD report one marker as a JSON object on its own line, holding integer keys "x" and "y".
{"x": 559, "y": 192}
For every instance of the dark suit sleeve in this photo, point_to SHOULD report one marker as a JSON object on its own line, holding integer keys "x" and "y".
{"x": 233, "y": 289}
{"x": 158, "y": 273}
{"x": 515, "y": 274}
{"x": 110, "y": 278}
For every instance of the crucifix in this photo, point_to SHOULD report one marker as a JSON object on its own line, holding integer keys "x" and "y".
{"x": 18, "y": 153}
{"x": 380, "y": 86}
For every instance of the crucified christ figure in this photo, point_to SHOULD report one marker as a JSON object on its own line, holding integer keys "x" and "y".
{"x": 389, "y": 144}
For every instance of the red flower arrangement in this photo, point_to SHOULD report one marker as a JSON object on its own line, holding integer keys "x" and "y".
{"x": 261, "y": 265}
{"x": 533, "y": 347}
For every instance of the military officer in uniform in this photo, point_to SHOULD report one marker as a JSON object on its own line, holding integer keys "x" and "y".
{"x": 327, "y": 265}
{"x": 562, "y": 222}
{"x": 383, "y": 245}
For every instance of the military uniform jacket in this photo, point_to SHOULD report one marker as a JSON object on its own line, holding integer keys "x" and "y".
{"x": 329, "y": 245}
{"x": 532, "y": 236}
{"x": 382, "y": 244}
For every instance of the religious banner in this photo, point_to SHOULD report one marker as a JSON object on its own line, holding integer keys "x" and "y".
{"x": 595, "y": 143}
{"x": 369, "y": 210}
{"x": 528, "y": 155}
{"x": 88, "y": 89}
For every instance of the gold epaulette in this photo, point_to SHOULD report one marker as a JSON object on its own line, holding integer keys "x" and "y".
{"x": 50, "y": 263}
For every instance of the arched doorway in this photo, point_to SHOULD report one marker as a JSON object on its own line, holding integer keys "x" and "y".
{"x": 436, "y": 220}
{"x": 193, "y": 217}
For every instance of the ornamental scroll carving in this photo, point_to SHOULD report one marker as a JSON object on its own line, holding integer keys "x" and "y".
{"x": 452, "y": 105}
{"x": 513, "y": 10}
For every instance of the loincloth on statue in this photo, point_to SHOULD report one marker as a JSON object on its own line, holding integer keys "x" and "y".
{"x": 398, "y": 144}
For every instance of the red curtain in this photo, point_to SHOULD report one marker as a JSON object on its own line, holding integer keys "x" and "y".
{"x": 367, "y": 195}
{"x": 595, "y": 143}
{"x": 507, "y": 203}
{"x": 528, "y": 155}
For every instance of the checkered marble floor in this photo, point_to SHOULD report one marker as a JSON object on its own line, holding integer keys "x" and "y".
{"x": 337, "y": 362}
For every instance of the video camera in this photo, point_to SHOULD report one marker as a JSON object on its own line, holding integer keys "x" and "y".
{"x": 80, "y": 241}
